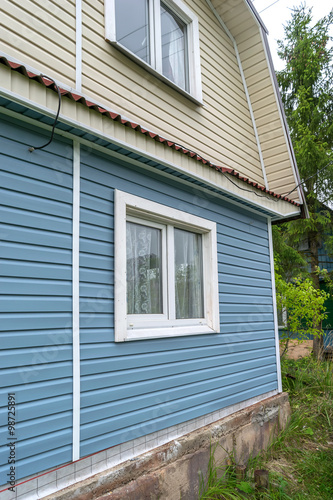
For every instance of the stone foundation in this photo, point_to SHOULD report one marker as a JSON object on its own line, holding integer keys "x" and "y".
{"x": 172, "y": 471}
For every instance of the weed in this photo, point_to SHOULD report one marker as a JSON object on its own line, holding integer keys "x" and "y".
{"x": 300, "y": 459}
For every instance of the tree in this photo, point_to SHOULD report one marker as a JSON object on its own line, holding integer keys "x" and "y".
{"x": 306, "y": 86}
{"x": 289, "y": 262}
{"x": 304, "y": 305}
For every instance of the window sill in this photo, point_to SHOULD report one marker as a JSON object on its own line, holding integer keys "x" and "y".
{"x": 196, "y": 100}
{"x": 167, "y": 332}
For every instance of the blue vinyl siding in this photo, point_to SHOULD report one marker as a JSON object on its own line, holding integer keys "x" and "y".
{"x": 127, "y": 389}
{"x": 36, "y": 297}
{"x": 134, "y": 388}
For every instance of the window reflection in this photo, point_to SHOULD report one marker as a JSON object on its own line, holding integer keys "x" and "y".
{"x": 132, "y": 23}
{"x": 173, "y": 48}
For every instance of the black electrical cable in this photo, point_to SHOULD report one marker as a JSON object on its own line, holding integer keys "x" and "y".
{"x": 308, "y": 178}
{"x": 32, "y": 148}
{"x": 227, "y": 177}
{"x": 254, "y": 192}
{"x": 250, "y": 191}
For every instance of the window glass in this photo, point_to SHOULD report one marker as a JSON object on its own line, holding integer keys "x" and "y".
{"x": 188, "y": 274}
{"x": 132, "y": 26}
{"x": 173, "y": 32}
{"x": 144, "y": 269}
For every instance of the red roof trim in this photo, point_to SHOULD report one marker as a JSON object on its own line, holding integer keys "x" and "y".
{"x": 117, "y": 117}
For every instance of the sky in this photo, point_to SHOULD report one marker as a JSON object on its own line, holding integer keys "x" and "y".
{"x": 275, "y": 13}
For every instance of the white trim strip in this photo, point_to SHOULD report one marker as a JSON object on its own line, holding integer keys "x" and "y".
{"x": 278, "y": 215}
{"x": 76, "y": 301}
{"x": 276, "y": 326}
{"x": 218, "y": 17}
{"x": 78, "y": 55}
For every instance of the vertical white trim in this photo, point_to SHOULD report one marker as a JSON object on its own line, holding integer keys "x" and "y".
{"x": 120, "y": 278}
{"x": 155, "y": 34}
{"x": 218, "y": 17}
{"x": 78, "y": 56}
{"x": 170, "y": 259}
{"x": 76, "y": 301}
{"x": 276, "y": 326}
{"x": 110, "y": 20}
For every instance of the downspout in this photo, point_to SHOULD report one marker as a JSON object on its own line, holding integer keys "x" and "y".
{"x": 216, "y": 14}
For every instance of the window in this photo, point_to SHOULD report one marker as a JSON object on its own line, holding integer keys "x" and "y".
{"x": 161, "y": 35}
{"x": 282, "y": 316}
{"x": 165, "y": 271}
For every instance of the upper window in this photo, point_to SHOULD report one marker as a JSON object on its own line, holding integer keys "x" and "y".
{"x": 166, "y": 271}
{"x": 162, "y": 35}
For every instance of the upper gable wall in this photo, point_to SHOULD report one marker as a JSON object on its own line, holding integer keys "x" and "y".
{"x": 42, "y": 35}
{"x": 277, "y": 158}
{"x": 221, "y": 130}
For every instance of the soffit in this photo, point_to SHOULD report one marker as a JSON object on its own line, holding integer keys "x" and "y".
{"x": 134, "y": 126}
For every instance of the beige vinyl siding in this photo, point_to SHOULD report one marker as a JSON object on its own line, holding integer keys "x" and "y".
{"x": 220, "y": 131}
{"x": 102, "y": 125}
{"x": 41, "y": 35}
{"x": 246, "y": 31}
{"x": 265, "y": 109}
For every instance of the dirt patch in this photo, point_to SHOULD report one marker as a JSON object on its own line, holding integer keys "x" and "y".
{"x": 296, "y": 350}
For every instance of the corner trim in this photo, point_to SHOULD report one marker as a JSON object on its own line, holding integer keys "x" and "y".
{"x": 276, "y": 326}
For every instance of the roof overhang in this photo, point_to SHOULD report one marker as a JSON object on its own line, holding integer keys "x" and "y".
{"x": 225, "y": 182}
{"x": 236, "y": 18}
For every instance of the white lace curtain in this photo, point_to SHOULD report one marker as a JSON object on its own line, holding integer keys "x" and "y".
{"x": 144, "y": 276}
{"x": 144, "y": 272}
{"x": 188, "y": 274}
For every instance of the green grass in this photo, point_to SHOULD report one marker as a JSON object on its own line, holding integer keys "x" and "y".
{"x": 300, "y": 460}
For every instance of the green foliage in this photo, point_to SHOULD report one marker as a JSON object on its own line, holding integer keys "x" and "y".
{"x": 306, "y": 87}
{"x": 300, "y": 459}
{"x": 289, "y": 262}
{"x": 304, "y": 305}
{"x": 219, "y": 482}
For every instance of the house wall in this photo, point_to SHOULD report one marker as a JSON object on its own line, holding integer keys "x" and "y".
{"x": 249, "y": 38}
{"x": 48, "y": 37}
{"x": 36, "y": 297}
{"x": 42, "y": 35}
{"x": 113, "y": 79}
{"x": 76, "y": 114}
{"x": 128, "y": 389}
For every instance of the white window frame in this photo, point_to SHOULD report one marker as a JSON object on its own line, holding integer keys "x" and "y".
{"x": 193, "y": 49}
{"x": 135, "y": 327}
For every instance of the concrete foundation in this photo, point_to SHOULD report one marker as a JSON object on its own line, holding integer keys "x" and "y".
{"x": 173, "y": 471}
